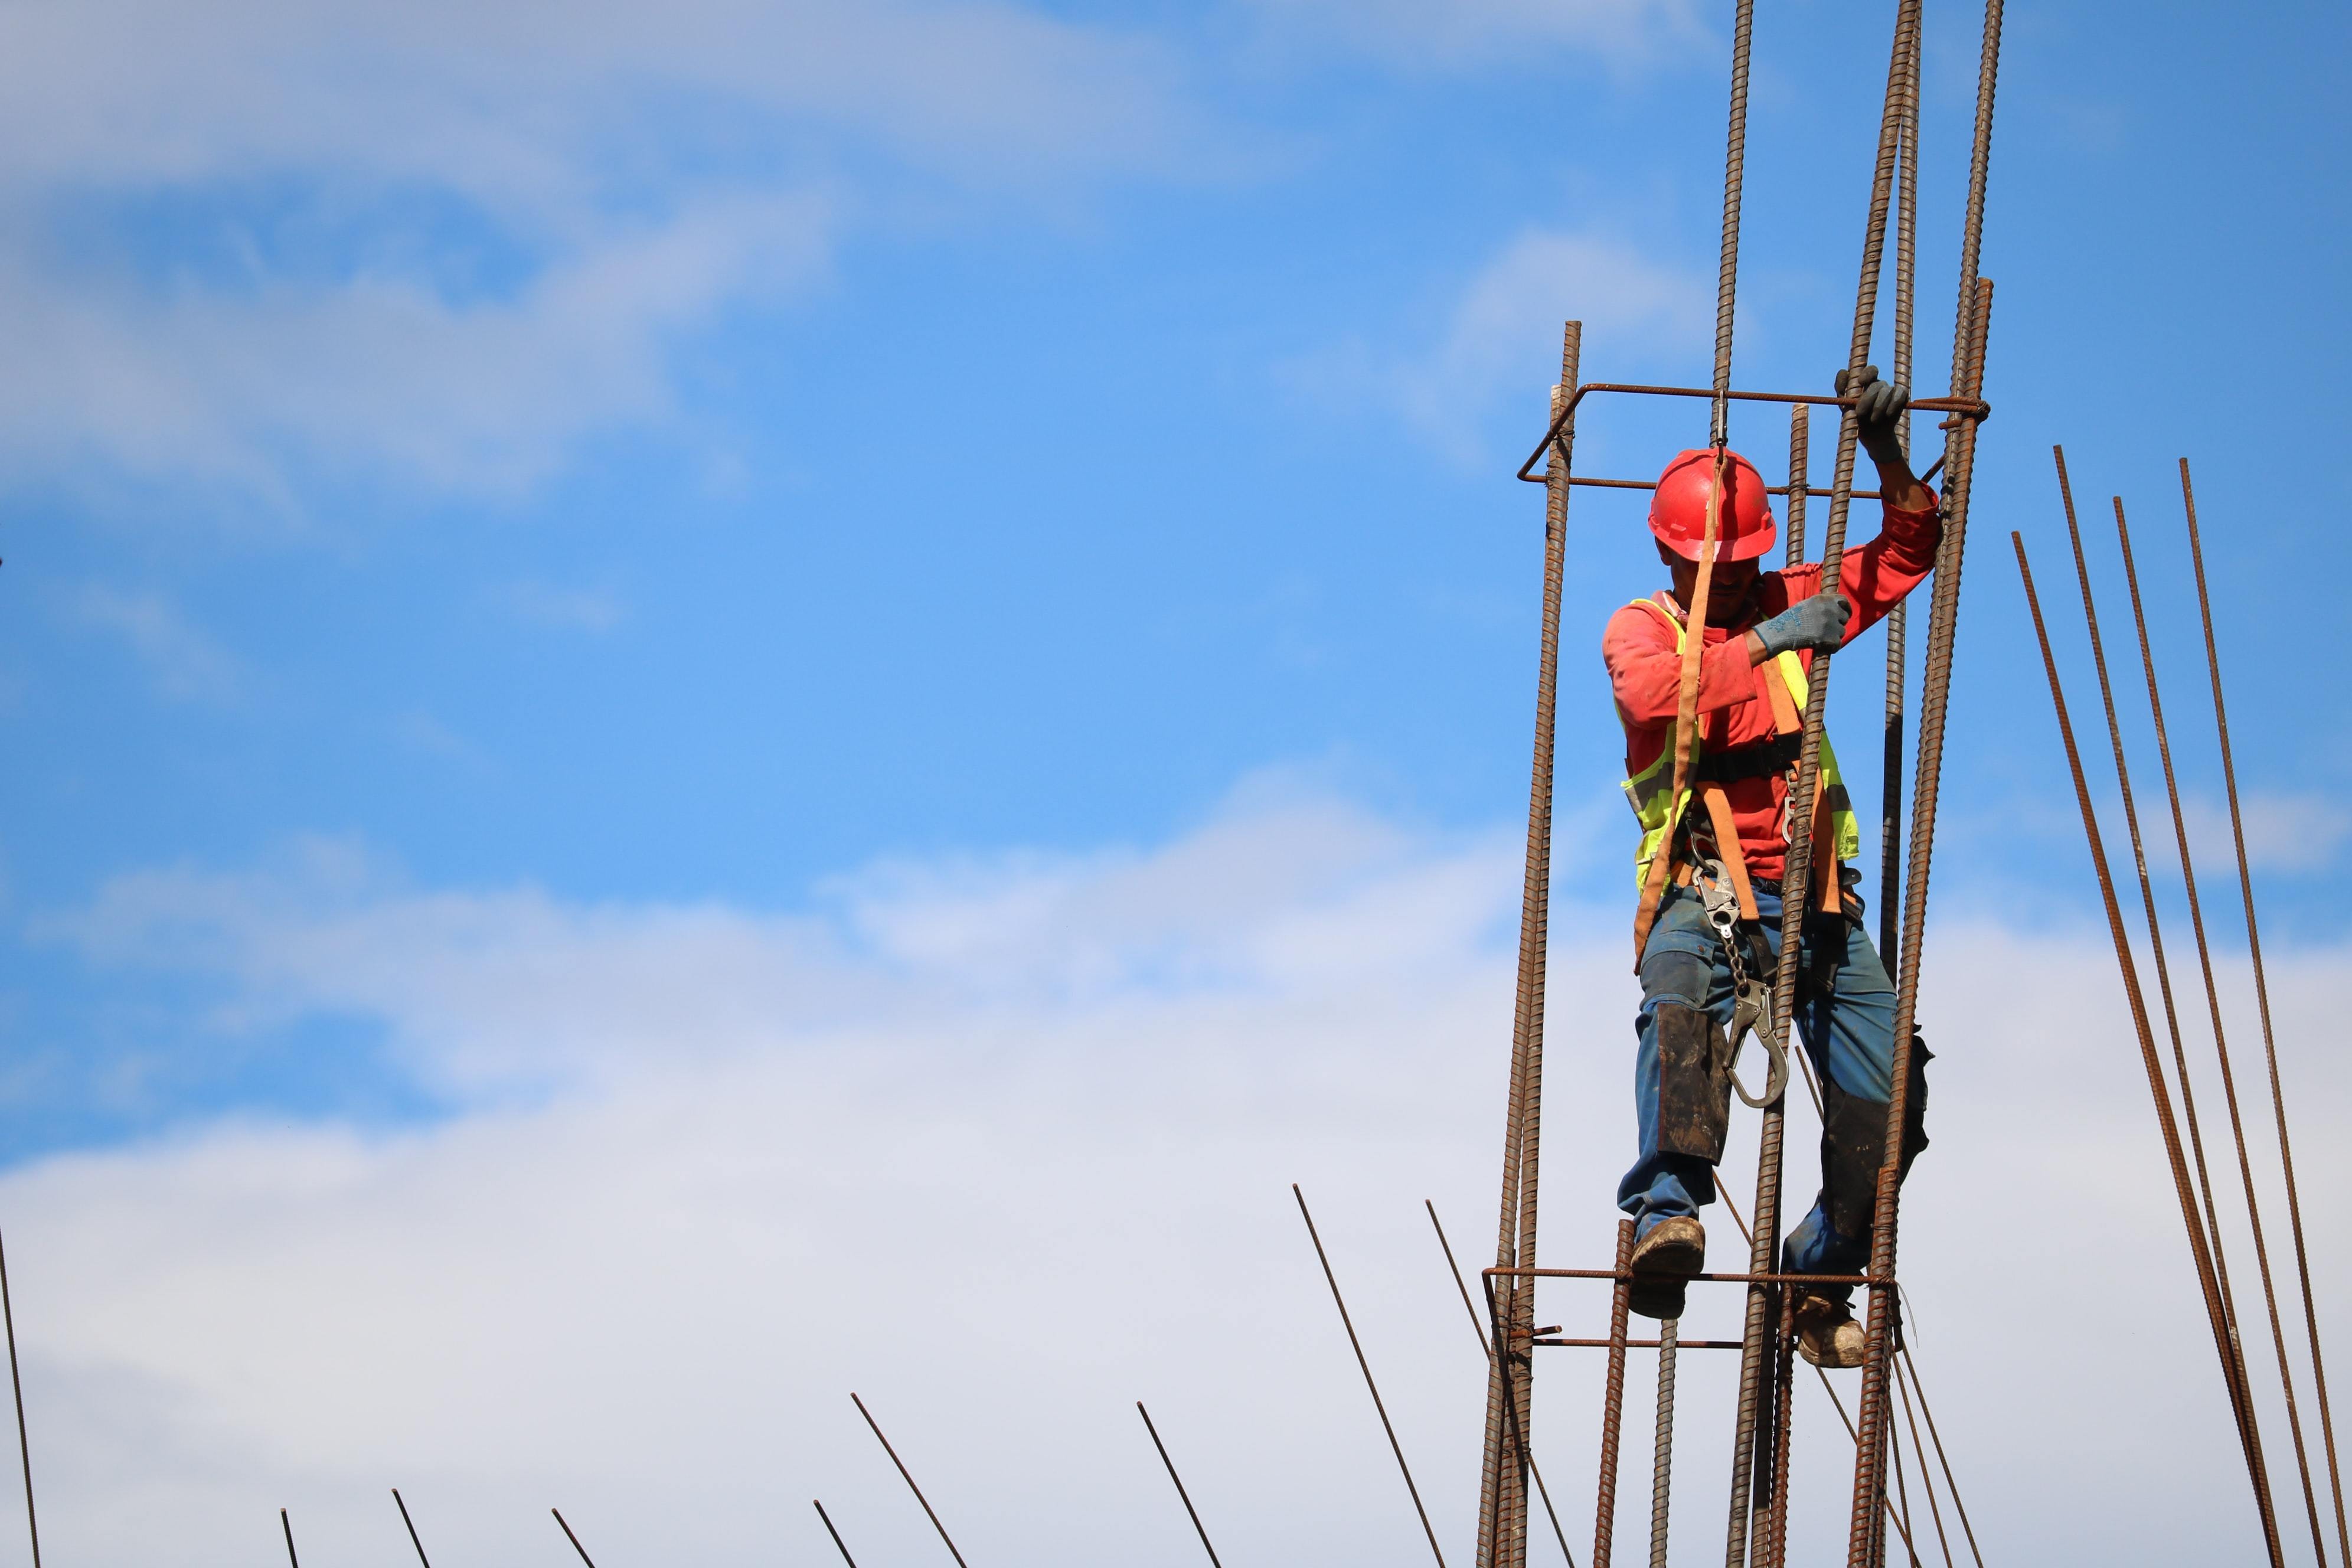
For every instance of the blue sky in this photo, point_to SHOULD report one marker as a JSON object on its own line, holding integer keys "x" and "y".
{"x": 480, "y": 483}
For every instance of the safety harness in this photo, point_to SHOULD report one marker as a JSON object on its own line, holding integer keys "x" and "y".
{"x": 1720, "y": 877}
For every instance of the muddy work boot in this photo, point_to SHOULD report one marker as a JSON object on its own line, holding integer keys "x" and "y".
{"x": 1827, "y": 1334}
{"x": 1664, "y": 1261}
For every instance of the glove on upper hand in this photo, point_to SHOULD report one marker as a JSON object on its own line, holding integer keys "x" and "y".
{"x": 1818, "y": 622}
{"x": 1878, "y": 410}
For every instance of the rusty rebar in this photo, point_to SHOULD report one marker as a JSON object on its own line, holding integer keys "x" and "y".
{"x": 402, "y": 1505}
{"x": 908, "y": 1476}
{"x": 1502, "y": 1512}
{"x": 16, "y": 1386}
{"x": 838, "y": 1544}
{"x": 2262, "y": 1000}
{"x": 1186, "y": 1498}
{"x": 1796, "y": 877}
{"x": 1613, "y": 1399}
{"x": 568, "y": 1535}
{"x": 1662, "y": 1458}
{"x": 1727, "y": 277}
{"x": 2222, "y": 1054}
{"x": 1905, "y": 1364}
{"x": 1357, "y": 1345}
{"x": 2138, "y": 1005}
{"x": 1800, "y": 420}
{"x": 1890, "y": 802}
{"x": 1486, "y": 1348}
{"x": 2227, "y": 1329}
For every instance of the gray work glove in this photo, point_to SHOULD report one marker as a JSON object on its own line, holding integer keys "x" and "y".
{"x": 1879, "y": 411}
{"x": 1818, "y": 622}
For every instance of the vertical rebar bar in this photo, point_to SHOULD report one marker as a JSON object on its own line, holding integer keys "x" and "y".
{"x": 1726, "y": 280}
{"x": 1662, "y": 1460}
{"x": 2262, "y": 1000}
{"x": 1797, "y": 891}
{"x": 1799, "y": 460}
{"x": 1890, "y": 804}
{"x": 1613, "y": 1399}
{"x": 1502, "y": 1533}
{"x": 2138, "y": 1005}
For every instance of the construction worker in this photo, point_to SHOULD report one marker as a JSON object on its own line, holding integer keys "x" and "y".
{"x": 1711, "y": 862}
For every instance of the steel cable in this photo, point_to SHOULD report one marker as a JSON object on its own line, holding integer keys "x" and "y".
{"x": 2263, "y": 999}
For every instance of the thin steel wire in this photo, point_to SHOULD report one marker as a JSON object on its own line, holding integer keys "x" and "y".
{"x": 1927, "y": 1480}
{"x": 1886, "y": 1502}
{"x": 1951, "y": 1485}
{"x": 2262, "y": 998}
{"x": 1186, "y": 1498}
{"x": 411, "y": 1523}
{"x": 2138, "y": 1006}
{"x": 16, "y": 1386}
{"x": 909, "y": 1478}
{"x": 1502, "y": 1535}
{"x": 1487, "y": 1350}
{"x": 838, "y": 1545}
{"x": 288, "y": 1526}
{"x": 1357, "y": 1345}
{"x": 2227, "y": 1330}
{"x": 568, "y": 1535}
{"x": 1902, "y": 1502}
{"x": 2222, "y": 1053}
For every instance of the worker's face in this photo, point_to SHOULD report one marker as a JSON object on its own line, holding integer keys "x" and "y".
{"x": 1727, "y": 590}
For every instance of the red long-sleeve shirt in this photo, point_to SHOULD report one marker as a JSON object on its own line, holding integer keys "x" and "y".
{"x": 1645, "y": 672}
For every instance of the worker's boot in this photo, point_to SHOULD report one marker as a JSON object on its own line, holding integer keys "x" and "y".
{"x": 1827, "y": 1334}
{"x": 1664, "y": 1261}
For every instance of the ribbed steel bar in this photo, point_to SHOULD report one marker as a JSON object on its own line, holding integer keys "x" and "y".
{"x": 905, "y": 1475}
{"x": 568, "y": 1535}
{"x": 1612, "y": 1398}
{"x": 1502, "y": 1512}
{"x": 1662, "y": 1459}
{"x": 2262, "y": 1000}
{"x": 838, "y": 1544}
{"x": 1184, "y": 1497}
{"x": 1890, "y": 812}
{"x": 2138, "y": 1005}
{"x": 2222, "y": 1053}
{"x": 1904, "y": 1363}
{"x": 402, "y": 1505}
{"x": 2226, "y": 1329}
{"x": 1797, "y": 891}
{"x": 1801, "y": 419}
{"x": 1358, "y": 1346}
{"x": 1486, "y": 1348}
{"x": 288, "y": 1526}
{"x": 16, "y": 1386}
{"x": 1735, "y": 164}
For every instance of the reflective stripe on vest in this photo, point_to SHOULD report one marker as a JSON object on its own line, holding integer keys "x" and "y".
{"x": 1648, "y": 790}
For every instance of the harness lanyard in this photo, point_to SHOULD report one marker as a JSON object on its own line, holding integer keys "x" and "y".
{"x": 1653, "y": 884}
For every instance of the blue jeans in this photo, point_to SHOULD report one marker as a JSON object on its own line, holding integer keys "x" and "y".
{"x": 1845, "y": 1016}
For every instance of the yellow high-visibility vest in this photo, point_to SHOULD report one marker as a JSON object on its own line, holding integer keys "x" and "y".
{"x": 1649, "y": 789}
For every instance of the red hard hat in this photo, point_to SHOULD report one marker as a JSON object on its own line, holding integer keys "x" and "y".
{"x": 1744, "y": 527}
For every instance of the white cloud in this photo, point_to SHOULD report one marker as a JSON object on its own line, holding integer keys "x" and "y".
{"x": 183, "y": 659}
{"x": 1502, "y": 334}
{"x": 636, "y": 173}
{"x": 1004, "y": 1145}
{"x": 570, "y": 609}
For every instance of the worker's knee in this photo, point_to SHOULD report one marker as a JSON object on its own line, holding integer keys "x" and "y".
{"x": 1672, "y": 974}
{"x": 1693, "y": 1081}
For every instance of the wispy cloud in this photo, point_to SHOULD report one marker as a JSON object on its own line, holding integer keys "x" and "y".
{"x": 565, "y": 609}
{"x": 1502, "y": 333}
{"x": 183, "y": 661}
{"x": 1052, "y": 1103}
{"x": 441, "y": 245}
{"x": 1447, "y": 34}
